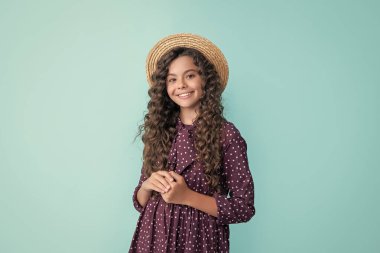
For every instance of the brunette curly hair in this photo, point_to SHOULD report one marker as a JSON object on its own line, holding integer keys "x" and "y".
{"x": 159, "y": 127}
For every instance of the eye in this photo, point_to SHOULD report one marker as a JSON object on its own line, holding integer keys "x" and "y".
{"x": 191, "y": 76}
{"x": 171, "y": 80}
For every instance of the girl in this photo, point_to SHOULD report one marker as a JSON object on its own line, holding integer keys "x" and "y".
{"x": 193, "y": 157}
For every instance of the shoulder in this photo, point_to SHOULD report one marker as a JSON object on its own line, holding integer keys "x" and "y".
{"x": 230, "y": 133}
{"x": 229, "y": 130}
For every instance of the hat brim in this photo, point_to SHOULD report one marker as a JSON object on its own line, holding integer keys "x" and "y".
{"x": 205, "y": 46}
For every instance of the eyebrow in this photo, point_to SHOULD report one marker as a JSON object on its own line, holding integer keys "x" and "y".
{"x": 172, "y": 74}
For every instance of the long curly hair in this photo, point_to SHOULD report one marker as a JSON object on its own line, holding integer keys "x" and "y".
{"x": 159, "y": 127}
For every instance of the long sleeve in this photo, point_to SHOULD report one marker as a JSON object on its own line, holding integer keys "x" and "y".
{"x": 239, "y": 206}
{"x": 136, "y": 204}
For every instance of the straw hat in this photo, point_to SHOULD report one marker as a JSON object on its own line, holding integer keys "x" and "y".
{"x": 206, "y": 47}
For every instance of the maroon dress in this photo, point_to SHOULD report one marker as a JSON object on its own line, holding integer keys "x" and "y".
{"x": 165, "y": 227}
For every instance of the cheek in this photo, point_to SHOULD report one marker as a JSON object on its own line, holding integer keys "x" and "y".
{"x": 170, "y": 92}
{"x": 203, "y": 84}
{"x": 200, "y": 90}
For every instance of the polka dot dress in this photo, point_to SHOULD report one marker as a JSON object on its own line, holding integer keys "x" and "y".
{"x": 165, "y": 227}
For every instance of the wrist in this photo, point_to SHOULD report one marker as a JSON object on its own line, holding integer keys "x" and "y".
{"x": 144, "y": 190}
{"x": 189, "y": 196}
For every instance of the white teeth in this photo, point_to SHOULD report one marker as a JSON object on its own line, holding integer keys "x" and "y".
{"x": 184, "y": 95}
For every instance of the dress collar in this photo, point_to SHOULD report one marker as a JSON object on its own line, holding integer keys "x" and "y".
{"x": 186, "y": 132}
{"x": 181, "y": 125}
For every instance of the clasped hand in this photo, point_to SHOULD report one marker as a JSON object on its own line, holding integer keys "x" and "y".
{"x": 169, "y": 184}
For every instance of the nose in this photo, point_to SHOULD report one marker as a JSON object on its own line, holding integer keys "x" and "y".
{"x": 181, "y": 83}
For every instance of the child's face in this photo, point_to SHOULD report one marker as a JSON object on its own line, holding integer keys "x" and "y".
{"x": 183, "y": 78}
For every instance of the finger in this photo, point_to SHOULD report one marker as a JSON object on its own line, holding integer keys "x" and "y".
{"x": 165, "y": 174}
{"x": 161, "y": 180}
{"x": 152, "y": 186}
{"x": 176, "y": 176}
{"x": 172, "y": 184}
{"x": 158, "y": 187}
{"x": 154, "y": 181}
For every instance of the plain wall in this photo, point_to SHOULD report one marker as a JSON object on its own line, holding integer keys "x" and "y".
{"x": 303, "y": 91}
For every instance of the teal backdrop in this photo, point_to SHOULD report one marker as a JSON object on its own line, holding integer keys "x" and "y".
{"x": 303, "y": 91}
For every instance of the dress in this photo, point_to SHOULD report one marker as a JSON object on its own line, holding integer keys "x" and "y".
{"x": 174, "y": 228}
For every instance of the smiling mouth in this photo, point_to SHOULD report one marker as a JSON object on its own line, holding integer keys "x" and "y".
{"x": 185, "y": 95}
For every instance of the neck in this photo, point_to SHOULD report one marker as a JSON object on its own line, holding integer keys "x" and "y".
{"x": 188, "y": 116}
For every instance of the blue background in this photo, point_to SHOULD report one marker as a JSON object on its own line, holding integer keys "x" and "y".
{"x": 303, "y": 91}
